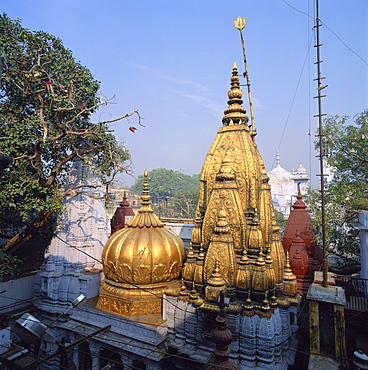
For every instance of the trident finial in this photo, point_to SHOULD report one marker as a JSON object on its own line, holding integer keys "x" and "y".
{"x": 239, "y": 23}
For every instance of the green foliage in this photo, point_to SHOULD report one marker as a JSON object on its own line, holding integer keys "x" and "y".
{"x": 173, "y": 193}
{"x": 183, "y": 204}
{"x": 281, "y": 220}
{"x": 346, "y": 151}
{"x": 8, "y": 265}
{"x": 165, "y": 183}
{"x": 46, "y": 99}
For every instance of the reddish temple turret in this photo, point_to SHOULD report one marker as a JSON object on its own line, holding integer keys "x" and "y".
{"x": 299, "y": 241}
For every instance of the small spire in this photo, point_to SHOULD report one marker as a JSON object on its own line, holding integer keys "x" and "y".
{"x": 145, "y": 216}
{"x": 145, "y": 197}
{"x": 287, "y": 262}
{"x": 118, "y": 220}
{"x": 226, "y": 169}
{"x": 222, "y": 225}
{"x": 290, "y": 282}
{"x": 216, "y": 278}
{"x": 278, "y": 157}
{"x": 201, "y": 252}
{"x": 288, "y": 273}
{"x": 235, "y": 113}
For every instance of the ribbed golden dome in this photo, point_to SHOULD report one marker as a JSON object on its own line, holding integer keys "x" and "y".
{"x": 143, "y": 256}
{"x": 141, "y": 259}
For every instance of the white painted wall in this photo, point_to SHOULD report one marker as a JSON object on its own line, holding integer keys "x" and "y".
{"x": 17, "y": 294}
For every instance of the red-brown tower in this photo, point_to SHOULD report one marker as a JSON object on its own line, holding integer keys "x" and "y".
{"x": 118, "y": 220}
{"x": 299, "y": 241}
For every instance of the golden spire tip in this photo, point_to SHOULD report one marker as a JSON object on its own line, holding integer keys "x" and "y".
{"x": 234, "y": 65}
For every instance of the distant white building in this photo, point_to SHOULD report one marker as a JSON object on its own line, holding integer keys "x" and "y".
{"x": 284, "y": 185}
{"x": 328, "y": 171}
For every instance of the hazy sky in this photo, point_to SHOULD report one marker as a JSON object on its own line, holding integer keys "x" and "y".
{"x": 172, "y": 61}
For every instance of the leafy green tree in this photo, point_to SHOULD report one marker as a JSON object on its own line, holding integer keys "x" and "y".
{"x": 183, "y": 204}
{"x": 46, "y": 100}
{"x": 8, "y": 265}
{"x": 280, "y": 219}
{"x": 173, "y": 193}
{"x": 346, "y": 151}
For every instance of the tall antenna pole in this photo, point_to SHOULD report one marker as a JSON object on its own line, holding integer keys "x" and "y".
{"x": 320, "y": 134}
{"x": 239, "y": 23}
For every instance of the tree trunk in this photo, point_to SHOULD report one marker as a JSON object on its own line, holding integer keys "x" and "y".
{"x": 13, "y": 244}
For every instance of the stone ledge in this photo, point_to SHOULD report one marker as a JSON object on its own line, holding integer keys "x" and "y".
{"x": 330, "y": 294}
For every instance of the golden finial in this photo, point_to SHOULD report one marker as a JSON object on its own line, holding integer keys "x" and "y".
{"x": 287, "y": 264}
{"x": 248, "y": 298}
{"x": 234, "y": 65}
{"x": 235, "y": 113}
{"x": 145, "y": 197}
{"x": 239, "y": 23}
{"x": 216, "y": 278}
{"x": 290, "y": 282}
{"x": 145, "y": 216}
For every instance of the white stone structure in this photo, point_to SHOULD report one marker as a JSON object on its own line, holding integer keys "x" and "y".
{"x": 328, "y": 171}
{"x": 72, "y": 262}
{"x": 284, "y": 185}
{"x": 127, "y": 344}
{"x": 300, "y": 178}
{"x": 255, "y": 338}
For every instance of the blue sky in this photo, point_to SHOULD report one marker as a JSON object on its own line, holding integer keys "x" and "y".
{"x": 172, "y": 61}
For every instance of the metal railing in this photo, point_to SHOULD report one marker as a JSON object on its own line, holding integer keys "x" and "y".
{"x": 356, "y": 292}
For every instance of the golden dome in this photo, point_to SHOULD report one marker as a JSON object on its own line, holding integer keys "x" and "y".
{"x": 140, "y": 259}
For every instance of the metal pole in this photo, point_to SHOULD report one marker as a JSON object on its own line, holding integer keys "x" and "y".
{"x": 239, "y": 23}
{"x": 321, "y": 151}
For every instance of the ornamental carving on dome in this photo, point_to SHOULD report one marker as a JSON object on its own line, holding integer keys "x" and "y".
{"x": 142, "y": 275}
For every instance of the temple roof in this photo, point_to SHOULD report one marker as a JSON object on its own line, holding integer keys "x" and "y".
{"x": 299, "y": 219}
{"x": 235, "y": 233}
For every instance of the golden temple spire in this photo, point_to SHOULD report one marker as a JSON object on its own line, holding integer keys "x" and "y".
{"x": 235, "y": 220}
{"x": 235, "y": 113}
